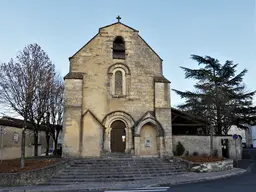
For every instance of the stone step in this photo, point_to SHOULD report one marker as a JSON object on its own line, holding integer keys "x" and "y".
{"x": 123, "y": 166}
{"x": 119, "y": 163}
{"x": 117, "y": 175}
{"x": 119, "y": 159}
{"x": 79, "y": 171}
{"x": 106, "y": 179}
{"x": 121, "y": 169}
{"x": 117, "y": 171}
{"x": 121, "y": 173}
{"x": 116, "y": 161}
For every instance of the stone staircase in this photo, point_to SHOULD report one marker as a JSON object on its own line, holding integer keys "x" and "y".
{"x": 115, "y": 169}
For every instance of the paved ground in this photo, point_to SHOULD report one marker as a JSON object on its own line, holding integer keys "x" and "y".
{"x": 245, "y": 182}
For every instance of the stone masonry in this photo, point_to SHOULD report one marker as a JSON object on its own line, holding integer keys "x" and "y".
{"x": 92, "y": 105}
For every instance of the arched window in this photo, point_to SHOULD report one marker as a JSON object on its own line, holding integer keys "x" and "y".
{"x": 118, "y": 83}
{"x": 118, "y": 48}
{"x": 119, "y": 80}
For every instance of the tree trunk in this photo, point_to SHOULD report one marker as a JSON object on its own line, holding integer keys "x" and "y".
{"x": 36, "y": 143}
{"x": 23, "y": 146}
{"x": 219, "y": 128}
{"x": 56, "y": 140}
{"x": 211, "y": 140}
{"x": 47, "y": 143}
{"x": 55, "y": 143}
{"x": 23, "y": 143}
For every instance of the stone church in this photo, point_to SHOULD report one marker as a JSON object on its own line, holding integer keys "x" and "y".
{"x": 116, "y": 97}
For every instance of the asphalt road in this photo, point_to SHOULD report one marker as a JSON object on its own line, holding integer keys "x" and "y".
{"x": 242, "y": 183}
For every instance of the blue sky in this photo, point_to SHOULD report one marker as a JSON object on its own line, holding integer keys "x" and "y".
{"x": 175, "y": 29}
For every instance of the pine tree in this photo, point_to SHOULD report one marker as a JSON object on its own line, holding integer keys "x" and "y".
{"x": 220, "y": 95}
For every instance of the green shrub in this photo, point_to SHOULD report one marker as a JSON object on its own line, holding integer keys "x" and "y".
{"x": 187, "y": 153}
{"x": 179, "y": 149}
{"x": 195, "y": 153}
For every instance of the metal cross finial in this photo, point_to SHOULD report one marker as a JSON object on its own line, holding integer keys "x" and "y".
{"x": 118, "y": 18}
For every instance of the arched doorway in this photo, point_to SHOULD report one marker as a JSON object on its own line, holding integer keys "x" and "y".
{"x": 118, "y": 136}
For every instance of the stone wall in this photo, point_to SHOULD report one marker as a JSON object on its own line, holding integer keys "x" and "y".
{"x": 235, "y": 147}
{"x": 162, "y": 95}
{"x": 213, "y": 166}
{"x": 204, "y": 167}
{"x": 12, "y": 143}
{"x": 95, "y": 59}
{"x": 201, "y": 144}
{"x": 92, "y": 136}
{"x": 33, "y": 177}
{"x": 15, "y": 152}
{"x": 72, "y": 117}
{"x": 148, "y": 133}
{"x": 164, "y": 116}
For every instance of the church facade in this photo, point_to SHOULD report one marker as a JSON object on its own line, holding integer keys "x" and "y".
{"x": 116, "y": 98}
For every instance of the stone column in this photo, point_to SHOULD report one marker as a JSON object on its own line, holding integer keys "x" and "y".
{"x": 130, "y": 138}
{"x": 137, "y": 145}
{"x": 168, "y": 146}
{"x": 161, "y": 146}
{"x": 107, "y": 139}
{"x": 127, "y": 138}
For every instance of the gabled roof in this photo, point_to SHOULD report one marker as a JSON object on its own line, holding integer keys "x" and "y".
{"x": 148, "y": 114}
{"x": 189, "y": 117}
{"x": 123, "y": 25}
{"x": 12, "y": 122}
{"x": 88, "y": 112}
{"x": 18, "y": 123}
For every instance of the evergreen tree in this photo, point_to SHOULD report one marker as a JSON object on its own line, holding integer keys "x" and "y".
{"x": 220, "y": 95}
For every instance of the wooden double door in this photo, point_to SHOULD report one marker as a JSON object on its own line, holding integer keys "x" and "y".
{"x": 118, "y": 137}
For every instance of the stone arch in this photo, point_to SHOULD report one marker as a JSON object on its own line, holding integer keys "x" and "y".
{"x": 119, "y": 65}
{"x": 125, "y": 71}
{"x": 159, "y": 128}
{"x": 129, "y": 124}
{"x": 118, "y": 48}
{"x": 118, "y": 115}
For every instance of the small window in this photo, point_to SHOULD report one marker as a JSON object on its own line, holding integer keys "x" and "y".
{"x": 119, "y": 48}
{"x": 118, "y": 83}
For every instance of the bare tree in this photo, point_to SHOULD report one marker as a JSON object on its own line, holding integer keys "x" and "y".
{"x": 55, "y": 111}
{"x": 24, "y": 86}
